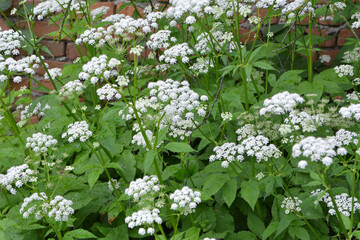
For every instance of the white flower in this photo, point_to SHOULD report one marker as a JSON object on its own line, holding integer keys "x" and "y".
{"x": 146, "y": 218}
{"x": 302, "y": 164}
{"x": 325, "y": 58}
{"x": 281, "y": 103}
{"x": 185, "y": 200}
{"x": 39, "y": 142}
{"x": 38, "y": 110}
{"x": 344, "y": 70}
{"x": 226, "y": 116}
{"x": 108, "y": 92}
{"x": 17, "y": 175}
{"x": 291, "y": 204}
{"x": 143, "y": 186}
{"x": 77, "y": 130}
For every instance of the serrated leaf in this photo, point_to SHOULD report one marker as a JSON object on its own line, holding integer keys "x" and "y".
{"x": 299, "y": 232}
{"x": 149, "y": 159}
{"x": 93, "y": 176}
{"x": 271, "y": 229}
{"x": 79, "y": 233}
{"x": 179, "y": 147}
{"x": 229, "y": 191}
{"x": 264, "y": 65}
{"x": 213, "y": 183}
{"x": 5, "y": 4}
{"x": 284, "y": 223}
{"x": 250, "y": 192}
{"x": 255, "y": 224}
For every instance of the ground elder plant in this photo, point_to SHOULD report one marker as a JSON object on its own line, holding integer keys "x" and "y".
{"x": 174, "y": 123}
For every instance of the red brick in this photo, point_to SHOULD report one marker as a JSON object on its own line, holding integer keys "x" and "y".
{"x": 3, "y": 24}
{"x": 111, "y": 5}
{"x": 52, "y": 64}
{"x": 56, "y": 48}
{"x": 47, "y": 83}
{"x": 332, "y": 54}
{"x": 71, "y": 51}
{"x": 262, "y": 12}
{"x": 247, "y": 36}
{"x": 129, "y": 10}
{"x": 327, "y": 22}
{"x": 328, "y": 43}
{"x": 25, "y": 82}
{"x": 346, "y": 33}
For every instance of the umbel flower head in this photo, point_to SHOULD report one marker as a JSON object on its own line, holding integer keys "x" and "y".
{"x": 77, "y": 130}
{"x": 39, "y": 142}
{"x": 18, "y": 176}
{"x": 281, "y": 103}
{"x": 145, "y": 218}
{"x": 185, "y": 200}
{"x": 142, "y": 186}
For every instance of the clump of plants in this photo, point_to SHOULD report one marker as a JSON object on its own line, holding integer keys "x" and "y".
{"x": 179, "y": 124}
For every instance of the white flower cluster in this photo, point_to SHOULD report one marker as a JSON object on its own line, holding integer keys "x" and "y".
{"x": 99, "y": 69}
{"x": 139, "y": 139}
{"x": 202, "y": 65}
{"x": 246, "y": 131}
{"x": 216, "y": 41}
{"x": 175, "y": 104}
{"x": 71, "y": 89}
{"x": 353, "y": 111}
{"x": 291, "y": 204}
{"x": 59, "y": 208}
{"x": 292, "y": 7}
{"x": 142, "y": 186}
{"x": 226, "y": 116}
{"x": 281, "y": 103}
{"x": 344, "y": 70}
{"x": 308, "y": 123}
{"x": 356, "y": 16}
{"x": 45, "y": 8}
{"x": 17, "y": 175}
{"x": 227, "y": 153}
{"x": 344, "y": 137}
{"x": 116, "y": 184}
{"x": 159, "y": 40}
{"x": 180, "y": 7}
{"x": 10, "y": 42}
{"x": 182, "y": 51}
{"x": 108, "y": 92}
{"x": 260, "y": 148}
{"x": 26, "y": 65}
{"x": 38, "y": 110}
{"x": 144, "y": 217}
{"x": 185, "y": 200}
{"x": 94, "y": 36}
{"x": 317, "y": 149}
{"x": 114, "y": 18}
{"x": 257, "y": 146}
{"x": 137, "y": 50}
{"x": 325, "y": 58}
{"x": 40, "y": 142}
{"x": 352, "y": 56}
{"x": 54, "y": 72}
{"x": 99, "y": 11}
{"x": 343, "y": 202}
{"x": 77, "y": 130}
{"x": 209, "y": 238}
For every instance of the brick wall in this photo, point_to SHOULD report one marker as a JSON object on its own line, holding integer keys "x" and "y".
{"x": 64, "y": 51}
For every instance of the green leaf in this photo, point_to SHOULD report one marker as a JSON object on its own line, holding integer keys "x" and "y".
{"x": 5, "y": 4}
{"x": 213, "y": 183}
{"x": 149, "y": 159}
{"x": 255, "y": 224}
{"x": 346, "y": 221}
{"x": 271, "y": 229}
{"x": 263, "y": 65}
{"x": 299, "y": 232}
{"x": 245, "y": 235}
{"x": 250, "y": 192}
{"x": 284, "y": 223}
{"x": 179, "y": 147}
{"x": 93, "y": 176}
{"x": 356, "y": 234}
{"x": 79, "y": 233}
{"x": 229, "y": 191}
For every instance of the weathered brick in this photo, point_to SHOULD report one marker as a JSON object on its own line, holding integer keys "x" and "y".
{"x": 323, "y": 33}
{"x": 52, "y": 64}
{"x": 331, "y": 53}
{"x": 24, "y": 83}
{"x": 129, "y": 10}
{"x": 57, "y": 49}
{"x": 262, "y": 12}
{"x": 3, "y": 24}
{"x": 110, "y": 5}
{"x": 346, "y": 33}
{"x": 71, "y": 51}
{"x": 247, "y": 35}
